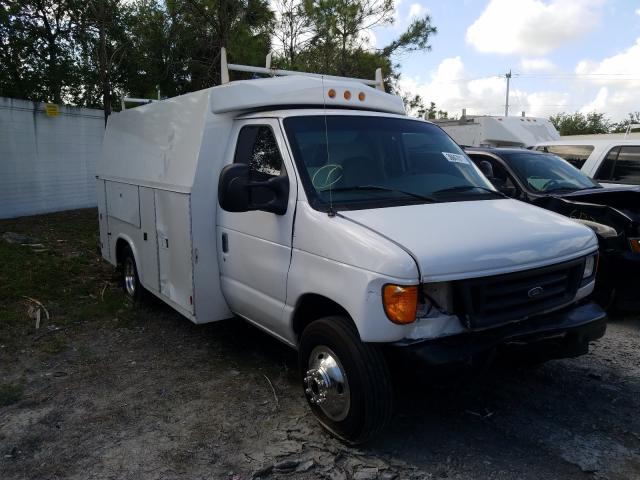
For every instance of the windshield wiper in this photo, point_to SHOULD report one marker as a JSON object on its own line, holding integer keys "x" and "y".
{"x": 564, "y": 189}
{"x": 464, "y": 188}
{"x": 426, "y": 198}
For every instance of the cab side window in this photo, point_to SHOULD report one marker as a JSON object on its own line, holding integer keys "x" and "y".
{"x": 605, "y": 172}
{"x": 576, "y": 155}
{"x": 627, "y": 166}
{"x": 495, "y": 172}
{"x": 258, "y": 148}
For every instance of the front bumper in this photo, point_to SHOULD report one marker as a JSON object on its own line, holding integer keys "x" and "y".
{"x": 560, "y": 334}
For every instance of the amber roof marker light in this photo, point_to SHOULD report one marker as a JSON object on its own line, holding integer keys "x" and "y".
{"x": 347, "y": 95}
{"x": 361, "y": 96}
{"x": 331, "y": 93}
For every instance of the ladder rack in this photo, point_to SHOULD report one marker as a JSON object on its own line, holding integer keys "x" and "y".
{"x": 378, "y": 82}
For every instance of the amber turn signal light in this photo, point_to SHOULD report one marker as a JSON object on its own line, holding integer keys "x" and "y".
{"x": 400, "y": 302}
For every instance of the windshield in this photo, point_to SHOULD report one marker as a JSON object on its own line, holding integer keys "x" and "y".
{"x": 548, "y": 173}
{"x": 356, "y": 161}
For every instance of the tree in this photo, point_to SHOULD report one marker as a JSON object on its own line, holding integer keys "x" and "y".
{"x": 580, "y": 124}
{"x": 621, "y": 127}
{"x": 292, "y": 29}
{"x": 101, "y": 32}
{"x": 415, "y": 107}
{"x": 339, "y": 43}
{"x": 89, "y": 52}
{"x": 199, "y": 28}
{"x": 39, "y": 49}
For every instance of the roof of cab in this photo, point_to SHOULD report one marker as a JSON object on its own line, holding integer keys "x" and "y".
{"x": 298, "y": 90}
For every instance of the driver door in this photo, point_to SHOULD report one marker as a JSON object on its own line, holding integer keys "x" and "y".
{"x": 255, "y": 247}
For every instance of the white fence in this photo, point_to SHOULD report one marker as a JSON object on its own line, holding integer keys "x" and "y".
{"x": 47, "y": 163}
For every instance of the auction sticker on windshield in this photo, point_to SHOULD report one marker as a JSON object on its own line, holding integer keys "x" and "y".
{"x": 455, "y": 157}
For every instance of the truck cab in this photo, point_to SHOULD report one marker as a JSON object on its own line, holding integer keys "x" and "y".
{"x": 315, "y": 209}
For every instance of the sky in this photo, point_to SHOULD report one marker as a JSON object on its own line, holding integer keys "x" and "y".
{"x": 564, "y": 55}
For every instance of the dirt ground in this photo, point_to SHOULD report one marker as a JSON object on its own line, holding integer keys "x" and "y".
{"x": 106, "y": 390}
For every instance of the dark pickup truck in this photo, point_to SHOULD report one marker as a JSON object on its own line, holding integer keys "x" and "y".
{"x": 550, "y": 182}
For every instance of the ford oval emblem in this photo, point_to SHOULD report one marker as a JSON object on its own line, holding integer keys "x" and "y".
{"x": 535, "y": 291}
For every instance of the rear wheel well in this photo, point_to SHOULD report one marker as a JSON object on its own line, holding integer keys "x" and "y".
{"x": 121, "y": 244}
{"x": 311, "y": 307}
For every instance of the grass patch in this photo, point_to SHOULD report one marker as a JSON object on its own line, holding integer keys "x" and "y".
{"x": 10, "y": 393}
{"x": 67, "y": 276}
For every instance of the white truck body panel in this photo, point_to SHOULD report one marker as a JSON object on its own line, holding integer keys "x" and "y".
{"x": 123, "y": 202}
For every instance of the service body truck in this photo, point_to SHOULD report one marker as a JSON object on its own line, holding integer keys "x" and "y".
{"x": 490, "y": 131}
{"x": 315, "y": 209}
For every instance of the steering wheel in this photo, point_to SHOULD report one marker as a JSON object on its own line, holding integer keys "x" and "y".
{"x": 327, "y": 176}
{"x": 549, "y": 183}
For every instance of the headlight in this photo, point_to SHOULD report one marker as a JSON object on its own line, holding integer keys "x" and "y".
{"x": 605, "y": 231}
{"x": 438, "y": 295}
{"x": 590, "y": 266}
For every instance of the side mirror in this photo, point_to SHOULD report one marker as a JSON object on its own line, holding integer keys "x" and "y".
{"x": 237, "y": 193}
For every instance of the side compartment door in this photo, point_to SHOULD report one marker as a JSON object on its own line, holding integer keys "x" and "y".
{"x": 173, "y": 225}
{"x": 255, "y": 247}
{"x": 103, "y": 219}
{"x": 148, "y": 248}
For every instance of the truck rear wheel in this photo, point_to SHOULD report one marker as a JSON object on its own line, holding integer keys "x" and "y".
{"x": 347, "y": 382}
{"x": 130, "y": 279}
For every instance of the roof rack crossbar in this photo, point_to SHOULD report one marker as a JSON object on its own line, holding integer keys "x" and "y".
{"x": 274, "y": 72}
{"x": 142, "y": 101}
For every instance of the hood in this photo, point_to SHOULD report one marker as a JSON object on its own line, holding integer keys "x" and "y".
{"x": 616, "y": 208}
{"x": 625, "y": 199}
{"x": 459, "y": 240}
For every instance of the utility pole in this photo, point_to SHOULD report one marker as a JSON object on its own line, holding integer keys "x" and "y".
{"x": 506, "y": 105}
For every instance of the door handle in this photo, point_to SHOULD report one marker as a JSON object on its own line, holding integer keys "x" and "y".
{"x": 225, "y": 243}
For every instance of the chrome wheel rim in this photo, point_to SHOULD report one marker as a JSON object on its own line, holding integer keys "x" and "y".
{"x": 129, "y": 277}
{"x": 326, "y": 384}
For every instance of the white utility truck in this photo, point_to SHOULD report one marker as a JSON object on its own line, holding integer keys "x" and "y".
{"x": 314, "y": 208}
{"x": 490, "y": 131}
{"x": 613, "y": 161}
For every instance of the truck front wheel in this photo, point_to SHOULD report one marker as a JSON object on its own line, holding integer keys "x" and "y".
{"x": 347, "y": 382}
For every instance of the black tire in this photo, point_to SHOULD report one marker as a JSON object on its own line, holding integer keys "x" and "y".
{"x": 130, "y": 278}
{"x": 369, "y": 389}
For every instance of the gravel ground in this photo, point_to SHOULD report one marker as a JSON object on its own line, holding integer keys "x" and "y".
{"x": 144, "y": 394}
{"x": 165, "y": 399}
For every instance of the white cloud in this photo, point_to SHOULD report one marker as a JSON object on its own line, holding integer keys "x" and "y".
{"x": 622, "y": 68}
{"x": 453, "y": 88}
{"x": 368, "y": 38}
{"x": 416, "y": 10}
{"x": 531, "y": 27}
{"x": 528, "y": 65}
{"x": 638, "y": 12}
{"x": 618, "y": 77}
{"x": 545, "y": 103}
{"x": 598, "y": 104}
